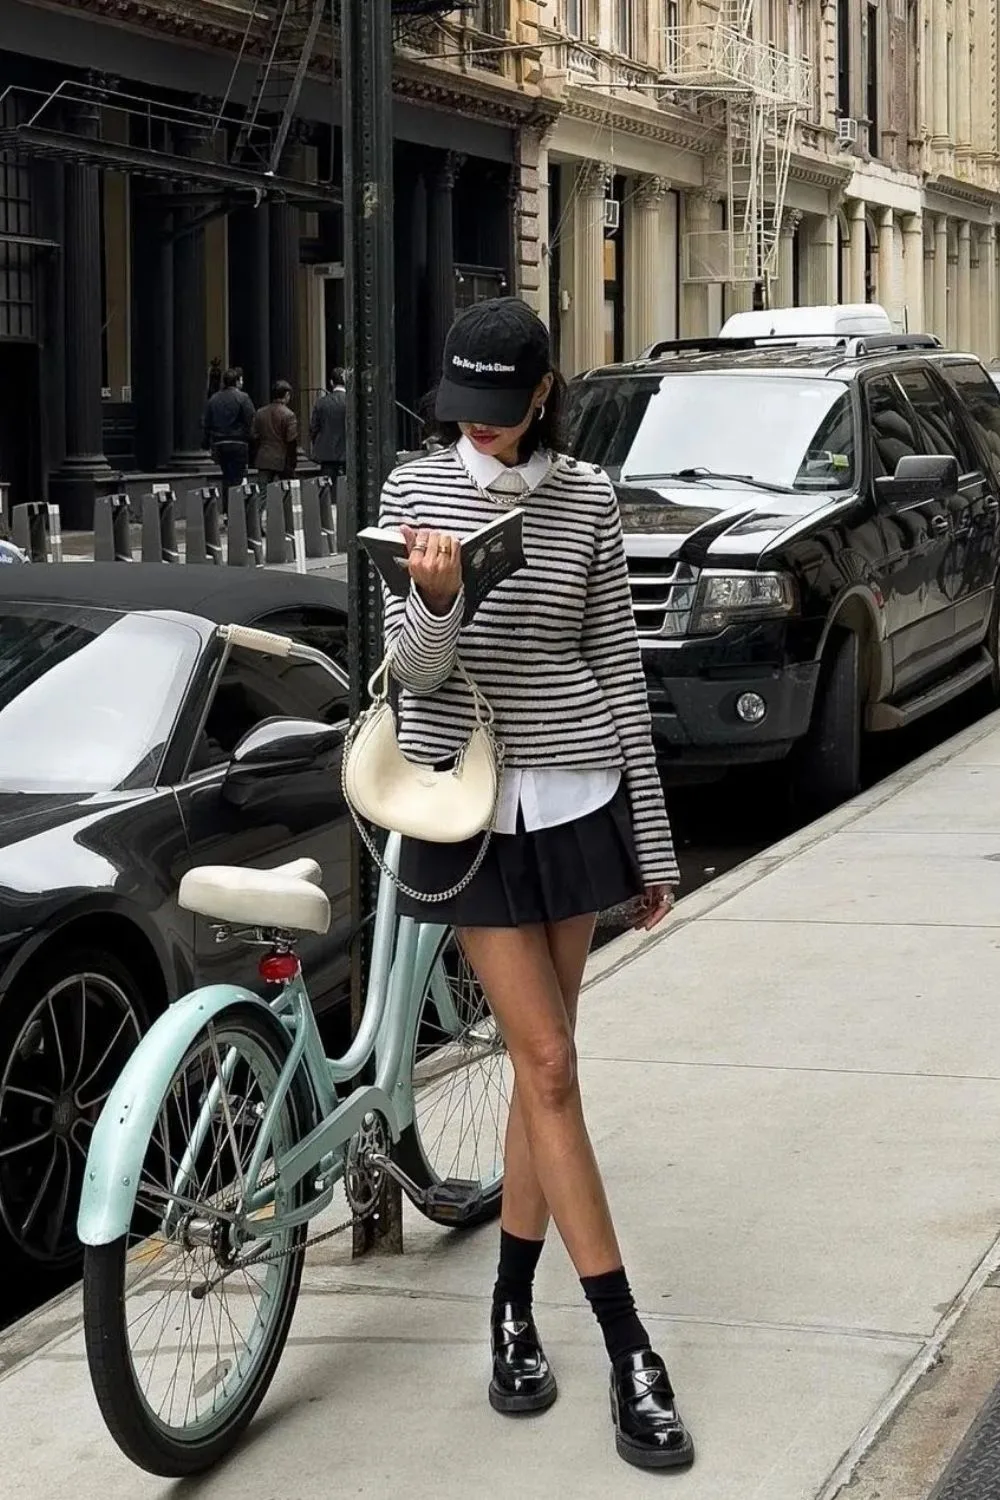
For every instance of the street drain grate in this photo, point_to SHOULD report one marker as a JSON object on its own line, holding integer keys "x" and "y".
{"x": 974, "y": 1472}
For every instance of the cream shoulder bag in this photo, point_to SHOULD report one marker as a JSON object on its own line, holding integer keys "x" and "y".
{"x": 442, "y": 807}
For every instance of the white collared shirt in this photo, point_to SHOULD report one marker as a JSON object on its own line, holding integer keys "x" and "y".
{"x": 545, "y": 798}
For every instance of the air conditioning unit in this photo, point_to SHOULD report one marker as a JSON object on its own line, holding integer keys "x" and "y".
{"x": 612, "y": 215}
{"x": 847, "y": 131}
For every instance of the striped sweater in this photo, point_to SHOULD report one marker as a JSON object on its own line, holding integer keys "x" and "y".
{"x": 554, "y": 648}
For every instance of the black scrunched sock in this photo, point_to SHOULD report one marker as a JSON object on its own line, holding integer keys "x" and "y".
{"x": 516, "y": 1271}
{"x": 614, "y": 1307}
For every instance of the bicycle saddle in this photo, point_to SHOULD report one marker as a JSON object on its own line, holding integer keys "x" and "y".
{"x": 288, "y": 897}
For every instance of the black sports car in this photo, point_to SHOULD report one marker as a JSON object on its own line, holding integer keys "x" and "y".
{"x": 120, "y": 714}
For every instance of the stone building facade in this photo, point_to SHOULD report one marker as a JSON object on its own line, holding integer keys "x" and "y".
{"x": 134, "y": 254}
{"x": 892, "y": 193}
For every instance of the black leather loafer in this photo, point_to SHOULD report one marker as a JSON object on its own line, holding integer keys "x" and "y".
{"x": 522, "y": 1380}
{"x": 648, "y": 1430}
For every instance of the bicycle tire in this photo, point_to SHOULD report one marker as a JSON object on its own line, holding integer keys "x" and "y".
{"x": 139, "y": 1434}
{"x": 413, "y": 1151}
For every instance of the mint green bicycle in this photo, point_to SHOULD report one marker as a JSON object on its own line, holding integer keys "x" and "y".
{"x": 229, "y": 1130}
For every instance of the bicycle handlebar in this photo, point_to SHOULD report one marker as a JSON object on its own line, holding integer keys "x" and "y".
{"x": 264, "y": 641}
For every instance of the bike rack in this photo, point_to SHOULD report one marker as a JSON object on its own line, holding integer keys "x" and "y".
{"x": 203, "y": 536}
{"x": 36, "y": 528}
{"x": 159, "y": 526}
{"x": 113, "y": 528}
{"x": 246, "y": 536}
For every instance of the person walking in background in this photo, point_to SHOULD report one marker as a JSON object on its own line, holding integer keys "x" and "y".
{"x": 276, "y": 436}
{"x": 228, "y": 426}
{"x": 328, "y": 427}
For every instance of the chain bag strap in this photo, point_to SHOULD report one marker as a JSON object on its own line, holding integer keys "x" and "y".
{"x": 378, "y": 691}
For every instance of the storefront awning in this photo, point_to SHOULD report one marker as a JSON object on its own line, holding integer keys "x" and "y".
{"x": 32, "y": 126}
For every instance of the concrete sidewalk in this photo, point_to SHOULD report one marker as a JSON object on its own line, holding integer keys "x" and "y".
{"x": 795, "y": 1093}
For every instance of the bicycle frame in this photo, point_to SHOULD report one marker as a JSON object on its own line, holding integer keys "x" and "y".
{"x": 403, "y": 954}
{"x": 403, "y": 958}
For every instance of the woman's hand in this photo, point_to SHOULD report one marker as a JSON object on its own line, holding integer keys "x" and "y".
{"x": 657, "y": 904}
{"x": 435, "y": 566}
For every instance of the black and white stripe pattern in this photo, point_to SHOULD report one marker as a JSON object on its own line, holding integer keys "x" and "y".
{"x": 554, "y": 648}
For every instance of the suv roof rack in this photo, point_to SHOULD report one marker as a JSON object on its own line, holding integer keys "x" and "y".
{"x": 854, "y": 345}
{"x": 885, "y": 343}
{"x": 712, "y": 345}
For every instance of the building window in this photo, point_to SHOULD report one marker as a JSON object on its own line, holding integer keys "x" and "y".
{"x": 844, "y": 57}
{"x": 17, "y": 265}
{"x": 872, "y": 78}
{"x": 492, "y": 16}
{"x": 671, "y": 35}
{"x": 614, "y": 283}
{"x": 624, "y": 39}
{"x": 576, "y": 17}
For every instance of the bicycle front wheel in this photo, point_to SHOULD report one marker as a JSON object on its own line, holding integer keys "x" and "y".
{"x": 462, "y": 1080}
{"x": 186, "y": 1316}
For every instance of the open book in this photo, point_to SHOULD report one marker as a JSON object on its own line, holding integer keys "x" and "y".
{"x": 489, "y": 555}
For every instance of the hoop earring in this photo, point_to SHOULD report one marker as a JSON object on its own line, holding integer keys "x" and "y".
{"x": 540, "y": 412}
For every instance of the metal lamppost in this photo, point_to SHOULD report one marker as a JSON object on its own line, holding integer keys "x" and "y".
{"x": 366, "y": 81}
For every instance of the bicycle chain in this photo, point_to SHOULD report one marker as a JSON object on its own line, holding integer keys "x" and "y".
{"x": 270, "y": 1257}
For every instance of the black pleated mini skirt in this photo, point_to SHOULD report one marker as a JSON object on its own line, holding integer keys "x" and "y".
{"x": 573, "y": 870}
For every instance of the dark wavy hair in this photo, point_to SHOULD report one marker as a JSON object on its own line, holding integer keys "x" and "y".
{"x": 547, "y": 432}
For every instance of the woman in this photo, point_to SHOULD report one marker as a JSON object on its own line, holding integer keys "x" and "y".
{"x": 581, "y": 825}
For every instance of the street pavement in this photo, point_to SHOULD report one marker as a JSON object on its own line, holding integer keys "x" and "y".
{"x": 795, "y": 1094}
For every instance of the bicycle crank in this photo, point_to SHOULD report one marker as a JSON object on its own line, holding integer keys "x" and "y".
{"x": 452, "y": 1202}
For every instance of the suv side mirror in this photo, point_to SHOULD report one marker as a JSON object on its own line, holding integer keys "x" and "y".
{"x": 920, "y": 476}
{"x": 282, "y": 747}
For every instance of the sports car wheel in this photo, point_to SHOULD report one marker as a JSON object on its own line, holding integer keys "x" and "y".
{"x": 66, "y": 1031}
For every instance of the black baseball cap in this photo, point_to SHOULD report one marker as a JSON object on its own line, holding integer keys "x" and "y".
{"x": 495, "y": 357}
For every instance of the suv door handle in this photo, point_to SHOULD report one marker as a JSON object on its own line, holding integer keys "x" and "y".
{"x": 940, "y": 524}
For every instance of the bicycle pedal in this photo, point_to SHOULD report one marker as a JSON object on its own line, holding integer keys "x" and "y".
{"x": 454, "y": 1201}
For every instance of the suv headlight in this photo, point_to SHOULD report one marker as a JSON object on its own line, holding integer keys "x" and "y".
{"x": 725, "y": 598}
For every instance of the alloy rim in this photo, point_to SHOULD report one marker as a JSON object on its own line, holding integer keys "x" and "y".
{"x": 63, "y": 1065}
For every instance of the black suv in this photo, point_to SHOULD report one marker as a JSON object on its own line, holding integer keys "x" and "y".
{"x": 813, "y": 537}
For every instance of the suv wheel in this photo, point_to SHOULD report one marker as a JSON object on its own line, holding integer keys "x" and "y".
{"x": 829, "y": 758}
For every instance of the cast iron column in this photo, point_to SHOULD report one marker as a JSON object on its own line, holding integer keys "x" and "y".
{"x": 285, "y": 255}
{"x": 86, "y": 469}
{"x": 441, "y": 254}
{"x": 366, "y": 71}
{"x": 190, "y": 334}
{"x": 259, "y": 366}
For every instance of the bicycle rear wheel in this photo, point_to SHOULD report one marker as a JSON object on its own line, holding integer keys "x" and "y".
{"x": 185, "y": 1317}
{"x": 462, "y": 1082}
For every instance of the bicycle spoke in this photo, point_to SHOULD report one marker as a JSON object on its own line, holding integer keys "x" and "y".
{"x": 197, "y": 1317}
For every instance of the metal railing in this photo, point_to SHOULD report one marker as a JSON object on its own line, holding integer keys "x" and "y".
{"x": 721, "y": 58}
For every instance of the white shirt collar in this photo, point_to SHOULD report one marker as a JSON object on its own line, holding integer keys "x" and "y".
{"x": 485, "y": 469}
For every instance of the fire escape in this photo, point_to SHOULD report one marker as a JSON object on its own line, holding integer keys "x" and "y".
{"x": 760, "y": 91}
{"x": 288, "y": 32}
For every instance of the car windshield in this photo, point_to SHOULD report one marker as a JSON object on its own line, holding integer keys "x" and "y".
{"x": 798, "y": 434}
{"x": 88, "y": 697}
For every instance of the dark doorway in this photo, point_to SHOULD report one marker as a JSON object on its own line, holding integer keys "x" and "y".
{"x": 20, "y": 416}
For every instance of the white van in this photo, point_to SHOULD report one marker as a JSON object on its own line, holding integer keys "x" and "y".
{"x": 848, "y": 320}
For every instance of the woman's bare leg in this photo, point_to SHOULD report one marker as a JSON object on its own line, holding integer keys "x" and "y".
{"x": 517, "y": 969}
{"x": 525, "y": 1211}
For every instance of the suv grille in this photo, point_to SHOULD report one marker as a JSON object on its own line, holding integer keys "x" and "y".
{"x": 662, "y": 595}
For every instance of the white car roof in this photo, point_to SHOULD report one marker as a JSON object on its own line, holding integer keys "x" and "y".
{"x": 845, "y": 319}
